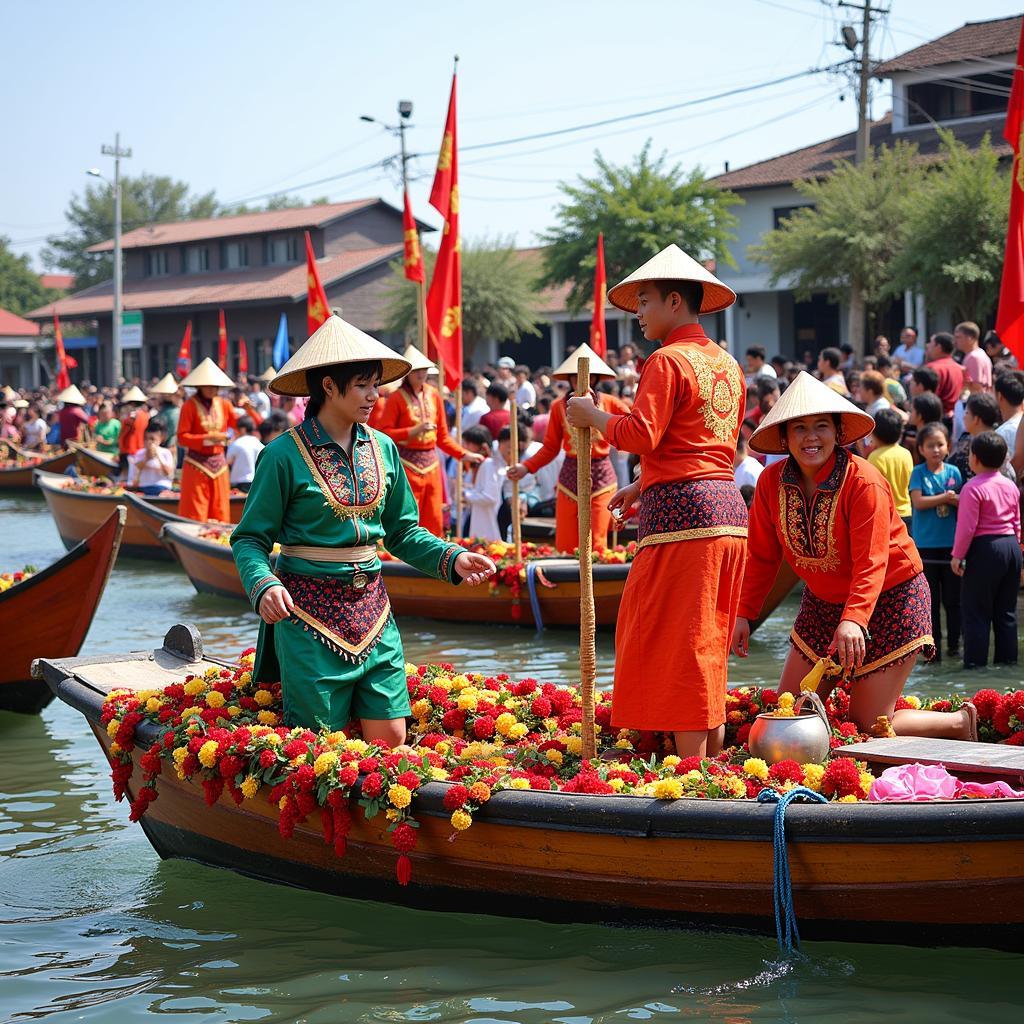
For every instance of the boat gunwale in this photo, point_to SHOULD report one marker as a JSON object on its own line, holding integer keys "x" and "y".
{"x": 39, "y": 466}
{"x": 145, "y": 507}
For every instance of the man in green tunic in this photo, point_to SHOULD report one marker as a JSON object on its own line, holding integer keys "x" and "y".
{"x": 328, "y": 491}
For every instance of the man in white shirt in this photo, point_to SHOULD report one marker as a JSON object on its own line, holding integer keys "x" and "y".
{"x": 828, "y": 369}
{"x": 242, "y": 452}
{"x": 473, "y": 406}
{"x": 526, "y": 394}
{"x": 908, "y": 355}
{"x": 757, "y": 364}
{"x": 746, "y": 469}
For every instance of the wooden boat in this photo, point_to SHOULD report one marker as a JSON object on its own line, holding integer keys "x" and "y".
{"x": 20, "y": 477}
{"x": 92, "y": 462}
{"x": 207, "y": 563}
{"x": 931, "y": 873}
{"x": 153, "y": 516}
{"x": 52, "y": 611}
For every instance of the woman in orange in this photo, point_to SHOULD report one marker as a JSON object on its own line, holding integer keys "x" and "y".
{"x": 132, "y": 437}
{"x": 414, "y": 419}
{"x": 203, "y": 432}
{"x": 679, "y": 604}
{"x": 831, "y": 516}
{"x": 602, "y": 473}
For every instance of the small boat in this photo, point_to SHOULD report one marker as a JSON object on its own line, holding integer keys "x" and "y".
{"x": 932, "y": 873}
{"x": 51, "y": 611}
{"x": 92, "y": 462}
{"x": 152, "y": 516}
{"x": 19, "y": 475}
{"x": 207, "y": 562}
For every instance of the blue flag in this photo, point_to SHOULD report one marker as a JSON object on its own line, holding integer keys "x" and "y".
{"x": 282, "y": 353}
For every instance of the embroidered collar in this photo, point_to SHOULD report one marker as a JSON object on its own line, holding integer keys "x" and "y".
{"x": 808, "y": 527}
{"x": 352, "y": 487}
{"x": 828, "y": 478}
{"x": 316, "y": 436}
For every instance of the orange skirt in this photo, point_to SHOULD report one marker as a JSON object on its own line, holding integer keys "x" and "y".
{"x": 567, "y": 521}
{"x": 204, "y": 497}
{"x": 673, "y": 632}
{"x": 428, "y": 490}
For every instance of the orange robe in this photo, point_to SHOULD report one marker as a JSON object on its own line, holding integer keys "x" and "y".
{"x": 403, "y": 411}
{"x": 205, "y": 479}
{"x": 133, "y": 432}
{"x": 559, "y": 435}
{"x": 679, "y": 605}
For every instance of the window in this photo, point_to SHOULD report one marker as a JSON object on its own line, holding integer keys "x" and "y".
{"x": 282, "y": 250}
{"x": 780, "y": 213}
{"x": 156, "y": 263}
{"x": 970, "y": 96}
{"x": 234, "y": 256}
{"x": 197, "y": 259}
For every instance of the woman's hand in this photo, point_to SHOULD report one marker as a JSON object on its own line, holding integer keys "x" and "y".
{"x": 849, "y": 645}
{"x": 580, "y": 410}
{"x": 422, "y": 428}
{"x": 952, "y": 498}
{"x": 474, "y": 568}
{"x": 517, "y": 472}
{"x": 741, "y": 637}
{"x": 957, "y": 565}
{"x": 472, "y": 458}
{"x": 276, "y": 604}
{"x": 623, "y": 500}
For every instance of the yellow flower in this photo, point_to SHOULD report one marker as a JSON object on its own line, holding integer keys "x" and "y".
{"x": 438, "y": 774}
{"x": 693, "y": 777}
{"x": 212, "y": 672}
{"x": 410, "y": 668}
{"x": 335, "y": 739}
{"x": 617, "y": 784}
{"x": 273, "y": 739}
{"x": 756, "y": 768}
{"x": 785, "y": 707}
{"x": 734, "y": 786}
{"x": 234, "y": 710}
{"x": 179, "y": 755}
{"x": 519, "y": 784}
{"x": 357, "y": 746}
{"x": 812, "y": 776}
{"x": 282, "y": 803}
{"x": 550, "y": 724}
{"x": 246, "y": 677}
{"x": 517, "y": 732}
{"x": 112, "y": 726}
{"x": 504, "y": 722}
{"x": 914, "y": 702}
{"x": 393, "y": 814}
{"x": 671, "y": 761}
{"x": 468, "y": 700}
{"x": 194, "y": 687}
{"x": 851, "y": 799}
{"x": 399, "y": 795}
{"x": 421, "y": 708}
{"x": 208, "y": 754}
{"x": 460, "y": 681}
{"x": 263, "y": 698}
{"x": 867, "y": 780}
{"x": 461, "y": 820}
{"x": 115, "y": 749}
{"x": 443, "y": 748}
{"x": 623, "y": 744}
{"x": 574, "y": 744}
{"x": 668, "y": 789}
{"x": 324, "y": 763}
{"x": 215, "y": 699}
{"x": 554, "y": 756}
{"x": 154, "y": 704}
{"x": 267, "y": 718}
{"x": 250, "y": 787}
{"x": 191, "y": 712}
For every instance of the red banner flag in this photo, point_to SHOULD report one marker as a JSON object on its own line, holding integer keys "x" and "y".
{"x": 184, "y": 364}
{"x": 243, "y": 357}
{"x": 1010, "y": 320}
{"x": 598, "y": 337}
{"x": 413, "y": 256}
{"x": 63, "y": 377}
{"x": 317, "y": 310}
{"x": 222, "y": 344}
{"x": 444, "y": 300}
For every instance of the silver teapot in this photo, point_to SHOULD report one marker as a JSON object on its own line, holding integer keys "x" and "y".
{"x": 804, "y": 738}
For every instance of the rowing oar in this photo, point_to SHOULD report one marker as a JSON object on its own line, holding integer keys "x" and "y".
{"x": 517, "y": 524}
{"x": 588, "y": 650}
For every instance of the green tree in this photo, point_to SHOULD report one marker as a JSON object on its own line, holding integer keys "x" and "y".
{"x": 148, "y": 199}
{"x": 20, "y": 289}
{"x": 641, "y": 208}
{"x": 845, "y": 243}
{"x": 499, "y": 294}
{"x": 282, "y": 201}
{"x": 955, "y": 231}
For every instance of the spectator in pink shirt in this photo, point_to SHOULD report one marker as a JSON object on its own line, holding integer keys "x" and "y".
{"x": 987, "y": 554}
{"x": 977, "y": 365}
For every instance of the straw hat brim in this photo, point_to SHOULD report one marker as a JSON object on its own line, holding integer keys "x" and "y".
{"x": 417, "y": 360}
{"x": 807, "y": 396}
{"x": 135, "y": 394}
{"x": 166, "y": 385}
{"x": 207, "y": 375}
{"x": 267, "y": 375}
{"x": 71, "y": 396}
{"x": 598, "y": 367}
{"x": 672, "y": 264}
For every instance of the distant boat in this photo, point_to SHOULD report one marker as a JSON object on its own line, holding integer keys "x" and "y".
{"x": 92, "y": 462}
{"x": 19, "y": 477}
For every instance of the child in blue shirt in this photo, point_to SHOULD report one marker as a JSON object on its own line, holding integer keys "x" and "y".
{"x": 934, "y": 494}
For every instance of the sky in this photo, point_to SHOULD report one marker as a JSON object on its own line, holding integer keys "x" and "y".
{"x": 255, "y": 97}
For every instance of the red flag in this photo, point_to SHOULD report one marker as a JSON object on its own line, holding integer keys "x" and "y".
{"x": 222, "y": 344}
{"x": 413, "y": 257}
{"x": 1010, "y": 320}
{"x": 243, "y": 357}
{"x": 598, "y": 337}
{"x": 444, "y": 300}
{"x": 317, "y": 310}
{"x": 185, "y": 352}
{"x": 63, "y": 377}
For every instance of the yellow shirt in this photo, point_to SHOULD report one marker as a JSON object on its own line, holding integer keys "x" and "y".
{"x": 896, "y": 464}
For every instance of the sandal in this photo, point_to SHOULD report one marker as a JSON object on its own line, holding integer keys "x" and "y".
{"x": 972, "y": 720}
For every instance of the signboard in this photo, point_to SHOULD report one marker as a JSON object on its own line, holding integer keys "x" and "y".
{"x": 131, "y": 329}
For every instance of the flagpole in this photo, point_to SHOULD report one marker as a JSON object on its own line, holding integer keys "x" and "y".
{"x": 458, "y": 475}
{"x": 421, "y": 315}
{"x": 588, "y": 652}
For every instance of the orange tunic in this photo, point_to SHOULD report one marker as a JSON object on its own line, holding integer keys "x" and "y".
{"x": 560, "y": 436}
{"x": 133, "y": 432}
{"x": 679, "y": 605}
{"x": 404, "y": 411}
{"x": 848, "y": 547}
{"x": 205, "y": 480}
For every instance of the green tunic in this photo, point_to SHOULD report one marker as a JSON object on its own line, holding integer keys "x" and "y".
{"x": 340, "y": 655}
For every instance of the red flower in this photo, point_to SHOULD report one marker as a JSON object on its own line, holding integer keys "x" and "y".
{"x": 456, "y": 797}
{"x": 268, "y": 758}
{"x": 541, "y": 707}
{"x": 483, "y": 727}
{"x": 453, "y": 720}
{"x": 841, "y": 778}
{"x": 348, "y": 774}
{"x": 403, "y": 838}
{"x": 787, "y": 771}
{"x": 987, "y": 701}
{"x": 408, "y": 779}
{"x": 369, "y": 764}
{"x": 373, "y": 784}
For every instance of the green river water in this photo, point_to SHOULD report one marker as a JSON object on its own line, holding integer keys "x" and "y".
{"x": 97, "y": 928}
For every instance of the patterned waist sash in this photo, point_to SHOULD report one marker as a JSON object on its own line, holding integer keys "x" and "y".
{"x": 347, "y": 620}
{"x": 691, "y": 510}
{"x": 602, "y": 476}
{"x": 418, "y": 460}
{"x": 206, "y": 462}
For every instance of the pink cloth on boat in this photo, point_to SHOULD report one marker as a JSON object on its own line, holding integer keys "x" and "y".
{"x": 914, "y": 782}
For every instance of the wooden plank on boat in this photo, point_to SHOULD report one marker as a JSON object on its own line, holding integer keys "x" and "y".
{"x": 956, "y": 755}
{"x": 144, "y": 671}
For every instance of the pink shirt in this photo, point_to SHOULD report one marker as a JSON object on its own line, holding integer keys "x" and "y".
{"x": 978, "y": 368}
{"x": 989, "y": 507}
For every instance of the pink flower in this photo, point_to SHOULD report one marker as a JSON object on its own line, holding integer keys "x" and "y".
{"x": 913, "y": 782}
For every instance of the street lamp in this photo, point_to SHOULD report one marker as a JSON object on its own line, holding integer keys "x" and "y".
{"x": 404, "y": 112}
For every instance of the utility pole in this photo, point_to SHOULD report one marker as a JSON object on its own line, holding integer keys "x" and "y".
{"x": 116, "y": 356}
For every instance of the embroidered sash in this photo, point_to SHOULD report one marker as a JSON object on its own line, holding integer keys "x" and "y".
{"x": 418, "y": 460}
{"x": 212, "y": 421}
{"x": 208, "y": 463}
{"x": 691, "y": 510}
{"x": 602, "y": 476}
{"x": 347, "y": 620}
{"x": 418, "y": 412}
{"x": 807, "y": 529}
{"x": 353, "y": 487}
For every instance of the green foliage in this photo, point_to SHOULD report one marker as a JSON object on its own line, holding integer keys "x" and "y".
{"x": 20, "y": 289}
{"x": 955, "y": 229}
{"x": 641, "y": 208}
{"x": 148, "y": 199}
{"x": 499, "y": 294}
{"x": 278, "y": 202}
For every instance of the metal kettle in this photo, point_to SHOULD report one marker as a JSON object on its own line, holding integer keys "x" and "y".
{"x": 803, "y": 738}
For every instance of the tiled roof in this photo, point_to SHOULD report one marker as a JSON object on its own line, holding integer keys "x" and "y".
{"x": 994, "y": 38}
{"x": 14, "y": 326}
{"x": 261, "y": 284}
{"x": 176, "y": 232}
{"x": 59, "y": 282}
{"x": 818, "y": 160}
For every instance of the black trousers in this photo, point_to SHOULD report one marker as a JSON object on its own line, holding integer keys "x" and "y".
{"x": 944, "y": 585}
{"x": 989, "y": 600}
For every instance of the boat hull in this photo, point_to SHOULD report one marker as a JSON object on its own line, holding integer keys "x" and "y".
{"x": 22, "y": 478}
{"x": 93, "y": 463}
{"x": 208, "y": 565}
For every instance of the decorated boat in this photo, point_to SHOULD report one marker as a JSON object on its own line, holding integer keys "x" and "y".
{"x": 92, "y": 462}
{"x": 78, "y": 506}
{"x": 203, "y": 552}
{"x": 509, "y": 818}
{"x": 17, "y": 466}
{"x": 152, "y": 516}
{"x": 51, "y": 610}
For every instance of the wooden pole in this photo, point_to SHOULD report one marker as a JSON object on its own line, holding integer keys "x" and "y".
{"x": 588, "y": 627}
{"x": 517, "y": 523}
{"x": 421, "y": 316}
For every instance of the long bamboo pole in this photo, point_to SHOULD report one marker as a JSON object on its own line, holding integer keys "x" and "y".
{"x": 421, "y": 316}
{"x": 588, "y": 626}
{"x": 517, "y": 522}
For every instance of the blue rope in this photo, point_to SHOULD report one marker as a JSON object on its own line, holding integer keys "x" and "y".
{"x": 532, "y": 568}
{"x": 785, "y": 916}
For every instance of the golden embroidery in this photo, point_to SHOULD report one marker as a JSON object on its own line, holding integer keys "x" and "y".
{"x": 808, "y": 533}
{"x": 887, "y": 659}
{"x": 418, "y": 412}
{"x": 697, "y": 533}
{"x": 336, "y": 489}
{"x": 720, "y": 386}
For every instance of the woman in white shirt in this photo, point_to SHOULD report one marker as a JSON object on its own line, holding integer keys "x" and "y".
{"x": 152, "y": 467}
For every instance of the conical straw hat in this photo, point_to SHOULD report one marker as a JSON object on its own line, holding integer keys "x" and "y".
{"x": 336, "y": 341}
{"x": 267, "y": 375}
{"x": 672, "y": 264}
{"x": 71, "y": 396}
{"x": 207, "y": 375}
{"x": 417, "y": 360}
{"x": 807, "y": 396}
{"x": 135, "y": 394}
{"x": 598, "y": 367}
{"x": 9, "y": 393}
{"x": 166, "y": 385}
